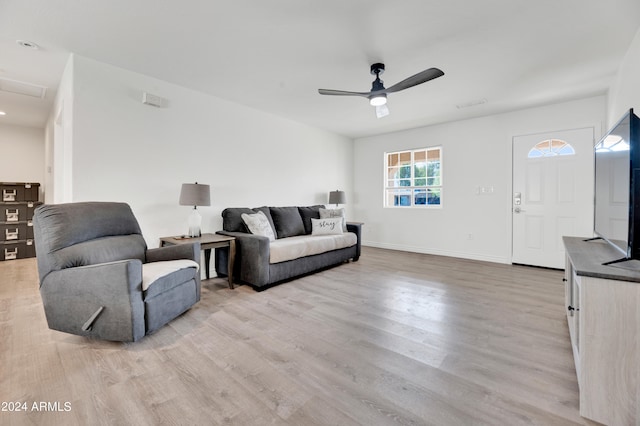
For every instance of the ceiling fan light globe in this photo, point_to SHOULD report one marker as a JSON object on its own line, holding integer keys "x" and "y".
{"x": 378, "y": 100}
{"x": 382, "y": 111}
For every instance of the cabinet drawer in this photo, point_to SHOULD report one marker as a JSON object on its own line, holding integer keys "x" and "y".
{"x": 10, "y": 250}
{"x": 16, "y": 231}
{"x": 18, "y": 211}
{"x": 13, "y": 212}
{"x": 17, "y": 192}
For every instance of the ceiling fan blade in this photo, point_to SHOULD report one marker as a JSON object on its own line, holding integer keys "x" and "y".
{"x": 414, "y": 80}
{"x": 342, "y": 93}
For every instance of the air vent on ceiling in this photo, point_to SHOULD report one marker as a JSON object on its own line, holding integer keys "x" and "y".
{"x": 153, "y": 100}
{"x": 22, "y": 88}
{"x": 472, "y": 103}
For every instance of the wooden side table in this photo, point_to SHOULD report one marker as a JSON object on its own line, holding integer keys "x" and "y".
{"x": 208, "y": 242}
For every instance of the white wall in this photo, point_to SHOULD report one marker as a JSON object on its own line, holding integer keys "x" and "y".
{"x": 476, "y": 152}
{"x": 126, "y": 151}
{"x": 22, "y": 152}
{"x": 625, "y": 91}
{"x": 59, "y": 142}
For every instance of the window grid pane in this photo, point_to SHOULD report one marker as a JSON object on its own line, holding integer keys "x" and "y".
{"x": 551, "y": 148}
{"x": 414, "y": 178}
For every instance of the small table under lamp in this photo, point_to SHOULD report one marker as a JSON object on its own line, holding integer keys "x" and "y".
{"x": 195, "y": 194}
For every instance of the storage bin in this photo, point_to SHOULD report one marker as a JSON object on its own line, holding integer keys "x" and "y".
{"x": 14, "y": 231}
{"x": 11, "y": 194}
{"x": 10, "y": 250}
{"x": 13, "y": 212}
{"x": 19, "y": 192}
{"x": 18, "y": 202}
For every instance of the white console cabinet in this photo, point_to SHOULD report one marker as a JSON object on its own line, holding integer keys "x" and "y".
{"x": 603, "y": 312}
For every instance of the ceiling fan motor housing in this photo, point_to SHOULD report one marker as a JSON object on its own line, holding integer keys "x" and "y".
{"x": 377, "y": 69}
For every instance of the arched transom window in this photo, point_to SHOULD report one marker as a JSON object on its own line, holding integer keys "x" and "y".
{"x": 551, "y": 148}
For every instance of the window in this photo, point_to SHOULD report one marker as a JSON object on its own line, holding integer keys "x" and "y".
{"x": 413, "y": 178}
{"x": 551, "y": 148}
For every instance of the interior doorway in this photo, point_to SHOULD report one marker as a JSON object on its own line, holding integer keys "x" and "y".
{"x": 552, "y": 194}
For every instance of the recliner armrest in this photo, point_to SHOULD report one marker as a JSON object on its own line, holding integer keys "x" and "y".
{"x": 72, "y": 295}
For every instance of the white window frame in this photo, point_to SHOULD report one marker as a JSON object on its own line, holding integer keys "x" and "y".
{"x": 412, "y": 188}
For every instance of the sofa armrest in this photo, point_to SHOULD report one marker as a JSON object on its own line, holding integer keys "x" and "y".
{"x": 252, "y": 258}
{"x": 356, "y": 228}
{"x": 72, "y": 296}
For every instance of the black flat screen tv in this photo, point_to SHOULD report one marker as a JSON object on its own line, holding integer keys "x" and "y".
{"x": 617, "y": 187}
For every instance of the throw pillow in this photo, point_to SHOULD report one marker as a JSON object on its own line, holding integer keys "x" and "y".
{"x": 307, "y": 213}
{"x": 329, "y": 213}
{"x": 258, "y": 224}
{"x": 287, "y": 221}
{"x": 232, "y": 219}
{"x": 267, "y": 212}
{"x": 330, "y": 226}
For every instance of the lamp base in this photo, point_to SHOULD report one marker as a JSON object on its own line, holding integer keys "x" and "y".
{"x": 195, "y": 220}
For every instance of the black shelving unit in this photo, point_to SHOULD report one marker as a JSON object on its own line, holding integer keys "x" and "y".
{"x": 18, "y": 200}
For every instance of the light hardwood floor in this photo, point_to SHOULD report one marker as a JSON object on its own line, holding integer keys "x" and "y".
{"x": 393, "y": 339}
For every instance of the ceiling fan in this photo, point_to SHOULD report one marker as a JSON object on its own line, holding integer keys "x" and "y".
{"x": 378, "y": 94}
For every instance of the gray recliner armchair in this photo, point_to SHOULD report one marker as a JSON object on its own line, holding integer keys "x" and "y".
{"x": 97, "y": 277}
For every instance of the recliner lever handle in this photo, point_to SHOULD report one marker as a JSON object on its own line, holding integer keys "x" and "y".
{"x": 89, "y": 324}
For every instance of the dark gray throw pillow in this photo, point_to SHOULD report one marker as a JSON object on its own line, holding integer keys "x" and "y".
{"x": 308, "y": 213}
{"x": 232, "y": 219}
{"x": 287, "y": 221}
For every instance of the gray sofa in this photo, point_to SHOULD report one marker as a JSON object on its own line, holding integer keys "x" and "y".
{"x": 98, "y": 279}
{"x": 254, "y": 264}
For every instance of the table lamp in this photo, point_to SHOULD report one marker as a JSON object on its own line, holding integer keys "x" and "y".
{"x": 337, "y": 197}
{"x": 195, "y": 194}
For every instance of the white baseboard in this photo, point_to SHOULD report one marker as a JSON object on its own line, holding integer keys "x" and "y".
{"x": 425, "y": 250}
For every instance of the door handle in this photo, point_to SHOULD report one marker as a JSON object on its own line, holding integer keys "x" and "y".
{"x": 518, "y": 210}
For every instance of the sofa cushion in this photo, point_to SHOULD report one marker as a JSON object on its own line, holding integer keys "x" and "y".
{"x": 257, "y": 224}
{"x": 232, "y": 219}
{"x": 155, "y": 272}
{"x": 329, "y": 213}
{"x": 267, "y": 212}
{"x": 56, "y": 221}
{"x": 308, "y": 213}
{"x": 287, "y": 221}
{"x": 291, "y": 248}
{"x": 331, "y": 226}
{"x": 100, "y": 250}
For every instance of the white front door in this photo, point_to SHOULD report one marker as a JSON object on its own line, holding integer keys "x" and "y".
{"x": 552, "y": 194}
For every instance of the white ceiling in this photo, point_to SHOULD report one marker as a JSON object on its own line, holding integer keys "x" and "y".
{"x": 274, "y": 55}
